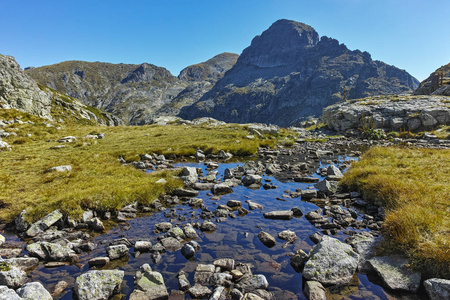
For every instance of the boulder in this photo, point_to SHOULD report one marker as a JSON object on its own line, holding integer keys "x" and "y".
{"x": 266, "y": 239}
{"x": 234, "y": 203}
{"x": 143, "y": 246}
{"x": 208, "y": 226}
{"x": 44, "y": 223}
{"x": 185, "y": 193}
{"x": 116, "y": 251}
{"x": 221, "y": 189}
{"x": 251, "y": 179}
{"x": 364, "y": 244}
{"x": 437, "y": 288}
{"x": 190, "y": 232}
{"x": 328, "y": 187}
{"x": 171, "y": 244}
{"x": 331, "y": 262}
{"x": 189, "y": 175}
{"x": 149, "y": 285}
{"x": 199, "y": 291}
{"x": 51, "y": 252}
{"x": 225, "y": 263}
{"x": 253, "y": 205}
{"x": 8, "y": 294}
{"x": 279, "y": 215}
{"x": 22, "y": 263}
{"x": 98, "y": 285}
{"x": 218, "y": 293}
{"x": 298, "y": 260}
{"x": 252, "y": 283}
{"x": 314, "y": 291}
{"x": 287, "y": 235}
{"x": 394, "y": 272}
{"x": 164, "y": 226}
{"x": 13, "y": 278}
{"x": 33, "y": 291}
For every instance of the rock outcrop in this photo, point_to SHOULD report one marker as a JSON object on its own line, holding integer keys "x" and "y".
{"x": 19, "y": 91}
{"x": 438, "y": 83}
{"x": 136, "y": 93}
{"x": 288, "y": 74}
{"x": 397, "y": 112}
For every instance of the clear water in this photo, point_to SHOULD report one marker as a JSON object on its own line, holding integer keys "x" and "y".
{"x": 234, "y": 238}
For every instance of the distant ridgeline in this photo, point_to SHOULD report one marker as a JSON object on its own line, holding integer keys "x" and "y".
{"x": 287, "y": 74}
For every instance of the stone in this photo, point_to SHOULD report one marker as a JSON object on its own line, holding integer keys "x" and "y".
{"x": 334, "y": 171}
{"x": 171, "y": 244}
{"x": 306, "y": 179}
{"x": 314, "y": 291}
{"x": 33, "y": 291}
{"x": 116, "y": 251}
{"x": 190, "y": 232}
{"x": 22, "y": 263}
{"x": 96, "y": 224}
{"x": 234, "y": 203}
{"x": 149, "y": 285}
{"x": 331, "y": 262}
{"x": 252, "y": 283}
{"x": 279, "y": 215}
{"x": 208, "y": 226}
{"x": 44, "y": 223}
{"x": 287, "y": 235}
{"x": 219, "y": 293}
{"x": 251, "y": 179}
{"x": 176, "y": 232}
{"x": 189, "y": 175}
{"x": 164, "y": 226}
{"x": 221, "y": 189}
{"x": 187, "y": 251}
{"x": 8, "y": 294}
{"x": 437, "y": 289}
{"x": 309, "y": 194}
{"x": 65, "y": 168}
{"x": 266, "y": 239}
{"x": 363, "y": 244}
{"x": 253, "y": 205}
{"x": 143, "y": 246}
{"x": 98, "y": 261}
{"x": 59, "y": 288}
{"x": 98, "y": 285}
{"x": 225, "y": 263}
{"x": 20, "y": 222}
{"x": 185, "y": 193}
{"x": 227, "y": 174}
{"x": 51, "y": 252}
{"x": 298, "y": 260}
{"x": 199, "y": 155}
{"x": 394, "y": 272}
{"x": 14, "y": 278}
{"x": 183, "y": 282}
{"x": 199, "y": 291}
{"x": 326, "y": 186}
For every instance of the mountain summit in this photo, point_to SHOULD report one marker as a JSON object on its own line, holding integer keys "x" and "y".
{"x": 288, "y": 74}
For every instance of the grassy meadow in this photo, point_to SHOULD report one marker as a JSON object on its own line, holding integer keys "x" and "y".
{"x": 413, "y": 186}
{"x": 98, "y": 180}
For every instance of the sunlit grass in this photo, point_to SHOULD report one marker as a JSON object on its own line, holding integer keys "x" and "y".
{"x": 414, "y": 187}
{"x": 98, "y": 180}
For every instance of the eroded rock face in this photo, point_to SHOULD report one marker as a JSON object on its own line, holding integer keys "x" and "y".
{"x": 19, "y": 91}
{"x": 98, "y": 284}
{"x": 413, "y": 113}
{"x": 289, "y": 73}
{"x": 438, "y": 83}
{"x": 331, "y": 262}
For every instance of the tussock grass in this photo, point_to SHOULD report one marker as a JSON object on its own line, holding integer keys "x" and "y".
{"x": 98, "y": 180}
{"x": 413, "y": 186}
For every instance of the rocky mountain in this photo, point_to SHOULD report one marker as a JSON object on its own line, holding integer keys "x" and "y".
{"x": 133, "y": 92}
{"x": 289, "y": 73}
{"x": 19, "y": 91}
{"x": 438, "y": 83}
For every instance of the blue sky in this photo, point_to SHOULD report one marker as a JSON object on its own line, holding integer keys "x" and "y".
{"x": 411, "y": 34}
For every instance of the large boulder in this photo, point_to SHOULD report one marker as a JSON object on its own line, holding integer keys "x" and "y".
{"x": 331, "y": 262}
{"x": 98, "y": 285}
{"x": 33, "y": 291}
{"x": 13, "y": 278}
{"x": 8, "y": 294}
{"x": 437, "y": 288}
{"x": 51, "y": 252}
{"x": 395, "y": 273}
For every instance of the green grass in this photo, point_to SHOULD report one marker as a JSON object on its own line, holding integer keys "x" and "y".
{"x": 98, "y": 180}
{"x": 413, "y": 186}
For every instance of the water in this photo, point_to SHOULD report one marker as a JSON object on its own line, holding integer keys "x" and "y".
{"x": 234, "y": 238}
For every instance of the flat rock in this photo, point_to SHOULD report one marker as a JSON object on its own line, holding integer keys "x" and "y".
{"x": 171, "y": 244}
{"x": 252, "y": 283}
{"x": 331, "y": 262}
{"x": 395, "y": 274}
{"x": 221, "y": 189}
{"x": 44, "y": 223}
{"x": 279, "y": 215}
{"x": 98, "y": 285}
{"x": 199, "y": 291}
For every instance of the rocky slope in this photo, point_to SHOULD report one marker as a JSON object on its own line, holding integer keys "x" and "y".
{"x": 438, "y": 83}
{"x": 288, "y": 73}
{"x": 133, "y": 92}
{"x": 19, "y": 91}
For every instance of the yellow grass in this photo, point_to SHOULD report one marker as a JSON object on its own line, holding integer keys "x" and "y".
{"x": 414, "y": 187}
{"x": 98, "y": 180}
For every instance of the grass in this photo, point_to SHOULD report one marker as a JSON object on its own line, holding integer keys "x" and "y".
{"x": 98, "y": 180}
{"x": 412, "y": 185}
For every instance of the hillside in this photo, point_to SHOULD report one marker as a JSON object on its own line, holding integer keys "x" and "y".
{"x": 438, "y": 83}
{"x": 288, "y": 74}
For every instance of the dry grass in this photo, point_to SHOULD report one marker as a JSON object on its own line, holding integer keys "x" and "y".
{"x": 413, "y": 186}
{"x": 98, "y": 180}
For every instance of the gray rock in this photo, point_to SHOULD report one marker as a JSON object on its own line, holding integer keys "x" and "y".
{"x": 51, "y": 252}
{"x": 202, "y": 186}
{"x": 13, "y": 278}
{"x": 287, "y": 235}
{"x": 334, "y": 171}
{"x": 164, "y": 226}
{"x": 309, "y": 194}
{"x": 363, "y": 244}
{"x": 326, "y": 186}
{"x": 143, "y": 246}
{"x": 227, "y": 174}
{"x": 252, "y": 283}
{"x": 266, "y": 239}
{"x": 298, "y": 260}
{"x": 149, "y": 285}
{"x": 437, "y": 288}
{"x": 22, "y": 263}
{"x": 65, "y": 168}
{"x": 20, "y": 222}
{"x": 234, "y": 203}
{"x": 208, "y": 226}
{"x": 116, "y": 251}
{"x": 279, "y": 215}
{"x": 171, "y": 244}
{"x": 315, "y": 291}
{"x": 190, "y": 232}
{"x": 8, "y": 294}
{"x": 96, "y": 224}
{"x": 33, "y": 291}
{"x": 225, "y": 263}
{"x": 395, "y": 274}
{"x": 183, "y": 282}
{"x": 199, "y": 155}
{"x": 331, "y": 262}
{"x": 185, "y": 193}
{"x": 44, "y": 223}
{"x": 253, "y": 205}
{"x": 251, "y": 179}
{"x": 199, "y": 291}
{"x": 221, "y": 189}
{"x": 176, "y": 232}
{"x": 98, "y": 285}
{"x": 98, "y": 261}
{"x": 189, "y": 175}
{"x": 219, "y": 293}
{"x": 187, "y": 251}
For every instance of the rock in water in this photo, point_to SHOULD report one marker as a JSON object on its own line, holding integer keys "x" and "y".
{"x": 98, "y": 285}
{"x": 149, "y": 285}
{"x": 331, "y": 262}
{"x": 266, "y": 239}
{"x": 395, "y": 274}
{"x": 33, "y": 291}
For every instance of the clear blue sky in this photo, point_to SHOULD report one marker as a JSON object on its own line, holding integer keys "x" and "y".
{"x": 411, "y": 34}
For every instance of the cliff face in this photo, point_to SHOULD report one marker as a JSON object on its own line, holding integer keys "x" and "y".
{"x": 438, "y": 83}
{"x": 288, "y": 74}
{"x": 19, "y": 91}
{"x": 133, "y": 92}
